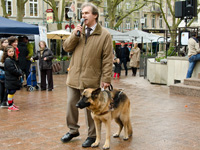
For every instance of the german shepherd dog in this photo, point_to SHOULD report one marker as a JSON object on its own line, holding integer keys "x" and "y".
{"x": 106, "y": 105}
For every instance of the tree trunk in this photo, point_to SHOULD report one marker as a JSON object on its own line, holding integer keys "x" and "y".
{"x": 20, "y": 10}
{"x": 3, "y": 5}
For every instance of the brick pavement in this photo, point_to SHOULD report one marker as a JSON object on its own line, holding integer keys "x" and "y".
{"x": 160, "y": 121}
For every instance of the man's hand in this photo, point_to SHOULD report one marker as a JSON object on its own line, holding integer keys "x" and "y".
{"x": 105, "y": 85}
{"x": 78, "y": 28}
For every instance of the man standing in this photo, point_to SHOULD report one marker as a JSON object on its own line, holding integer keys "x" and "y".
{"x": 90, "y": 65}
{"x": 123, "y": 55}
{"x": 193, "y": 53}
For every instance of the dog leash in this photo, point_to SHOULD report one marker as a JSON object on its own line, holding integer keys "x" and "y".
{"x": 110, "y": 88}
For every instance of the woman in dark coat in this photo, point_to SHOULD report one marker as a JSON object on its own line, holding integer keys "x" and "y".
{"x": 45, "y": 57}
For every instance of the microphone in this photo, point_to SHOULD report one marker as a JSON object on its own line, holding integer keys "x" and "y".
{"x": 82, "y": 21}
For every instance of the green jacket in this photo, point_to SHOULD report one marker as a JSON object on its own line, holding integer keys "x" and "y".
{"x": 91, "y": 62}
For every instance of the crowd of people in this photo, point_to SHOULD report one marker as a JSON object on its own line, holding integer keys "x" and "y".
{"x": 16, "y": 55}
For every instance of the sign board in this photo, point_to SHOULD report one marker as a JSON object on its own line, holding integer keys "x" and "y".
{"x": 50, "y": 17}
{"x": 184, "y": 38}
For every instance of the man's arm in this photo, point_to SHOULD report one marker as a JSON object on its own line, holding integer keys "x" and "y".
{"x": 107, "y": 62}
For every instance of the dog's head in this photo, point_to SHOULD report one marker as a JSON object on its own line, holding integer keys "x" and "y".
{"x": 88, "y": 97}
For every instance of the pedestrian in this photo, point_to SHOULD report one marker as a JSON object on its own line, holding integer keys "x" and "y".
{"x": 135, "y": 58}
{"x": 23, "y": 53}
{"x": 193, "y": 53}
{"x": 13, "y": 41}
{"x": 3, "y": 95}
{"x": 45, "y": 57}
{"x": 117, "y": 69}
{"x": 123, "y": 54}
{"x": 90, "y": 67}
{"x": 30, "y": 54}
{"x": 12, "y": 76}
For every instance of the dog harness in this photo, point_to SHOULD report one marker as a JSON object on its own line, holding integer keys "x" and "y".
{"x": 111, "y": 106}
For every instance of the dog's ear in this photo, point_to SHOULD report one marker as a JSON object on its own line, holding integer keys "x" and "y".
{"x": 95, "y": 93}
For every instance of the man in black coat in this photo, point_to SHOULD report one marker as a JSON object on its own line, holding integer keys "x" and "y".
{"x": 123, "y": 54}
{"x": 23, "y": 52}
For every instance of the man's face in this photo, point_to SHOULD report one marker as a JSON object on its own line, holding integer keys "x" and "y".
{"x": 90, "y": 19}
{"x": 122, "y": 44}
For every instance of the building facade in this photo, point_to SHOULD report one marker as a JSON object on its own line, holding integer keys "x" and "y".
{"x": 149, "y": 18}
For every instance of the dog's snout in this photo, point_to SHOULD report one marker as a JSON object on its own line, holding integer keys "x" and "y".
{"x": 77, "y": 105}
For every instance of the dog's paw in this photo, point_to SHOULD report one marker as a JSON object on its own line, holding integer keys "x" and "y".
{"x": 96, "y": 144}
{"x": 116, "y": 135}
{"x": 125, "y": 138}
{"x": 106, "y": 146}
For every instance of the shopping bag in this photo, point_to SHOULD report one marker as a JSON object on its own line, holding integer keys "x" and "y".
{"x": 2, "y": 74}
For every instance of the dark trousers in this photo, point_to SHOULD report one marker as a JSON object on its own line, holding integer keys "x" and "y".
{"x": 134, "y": 70}
{"x": 124, "y": 62}
{"x": 48, "y": 73}
{"x": 3, "y": 93}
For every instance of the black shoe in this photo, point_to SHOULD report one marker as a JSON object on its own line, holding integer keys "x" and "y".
{"x": 88, "y": 142}
{"x": 43, "y": 89}
{"x": 67, "y": 137}
{"x": 49, "y": 89}
{"x": 4, "y": 105}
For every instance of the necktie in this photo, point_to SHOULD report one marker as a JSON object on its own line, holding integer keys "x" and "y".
{"x": 88, "y": 33}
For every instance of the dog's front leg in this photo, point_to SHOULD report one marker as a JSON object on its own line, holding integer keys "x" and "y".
{"x": 107, "y": 142}
{"x": 97, "y": 123}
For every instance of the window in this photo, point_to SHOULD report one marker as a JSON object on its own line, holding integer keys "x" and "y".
{"x": 127, "y": 6}
{"x": 136, "y": 24}
{"x": 153, "y": 21}
{"x": 79, "y": 15}
{"x": 145, "y": 17}
{"x": 33, "y": 8}
{"x": 106, "y": 23}
{"x": 67, "y": 8}
{"x": 160, "y": 22}
{"x": 8, "y": 7}
{"x": 128, "y": 26}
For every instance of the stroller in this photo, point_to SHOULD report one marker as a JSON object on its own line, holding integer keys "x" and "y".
{"x": 32, "y": 81}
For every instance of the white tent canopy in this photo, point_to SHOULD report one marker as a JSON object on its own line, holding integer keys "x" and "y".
{"x": 59, "y": 34}
{"x": 118, "y": 36}
{"x": 137, "y": 35}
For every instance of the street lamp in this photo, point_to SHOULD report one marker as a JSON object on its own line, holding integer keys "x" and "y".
{"x": 70, "y": 15}
{"x": 142, "y": 21}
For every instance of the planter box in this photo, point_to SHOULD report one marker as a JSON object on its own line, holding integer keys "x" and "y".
{"x": 156, "y": 72}
{"x": 177, "y": 69}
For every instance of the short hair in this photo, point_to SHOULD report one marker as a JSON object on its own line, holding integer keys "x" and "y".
{"x": 122, "y": 41}
{"x": 94, "y": 9}
{"x": 11, "y": 40}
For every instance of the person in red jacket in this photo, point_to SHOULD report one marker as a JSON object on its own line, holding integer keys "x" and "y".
{"x": 13, "y": 41}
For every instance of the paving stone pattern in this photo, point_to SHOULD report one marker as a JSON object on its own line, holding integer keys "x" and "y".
{"x": 160, "y": 121}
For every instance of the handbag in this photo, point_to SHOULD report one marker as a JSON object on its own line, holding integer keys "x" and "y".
{"x": 56, "y": 67}
{"x": 2, "y": 74}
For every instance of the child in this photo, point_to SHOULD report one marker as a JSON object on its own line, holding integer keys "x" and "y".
{"x": 12, "y": 75}
{"x": 117, "y": 69}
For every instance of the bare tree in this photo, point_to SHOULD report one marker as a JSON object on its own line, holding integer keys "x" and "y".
{"x": 3, "y": 5}
{"x": 116, "y": 18}
{"x": 175, "y": 21}
{"x": 52, "y": 4}
{"x": 20, "y": 9}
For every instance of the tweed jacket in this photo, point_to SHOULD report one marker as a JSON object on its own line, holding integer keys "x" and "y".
{"x": 91, "y": 61}
{"x": 193, "y": 46}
